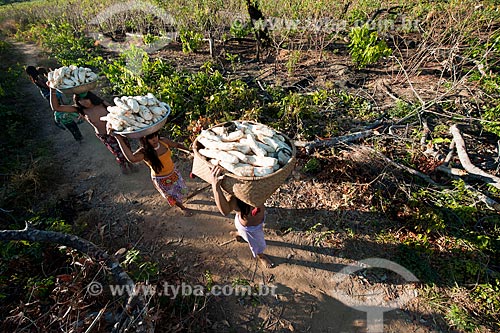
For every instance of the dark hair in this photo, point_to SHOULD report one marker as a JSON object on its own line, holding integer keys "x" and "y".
{"x": 245, "y": 208}
{"x": 150, "y": 153}
{"x": 32, "y": 72}
{"x": 42, "y": 70}
{"x": 152, "y": 135}
{"x": 39, "y": 81}
{"x": 94, "y": 99}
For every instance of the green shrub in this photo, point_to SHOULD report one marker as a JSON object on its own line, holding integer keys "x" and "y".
{"x": 191, "y": 40}
{"x": 240, "y": 29}
{"x": 460, "y": 318}
{"x": 312, "y": 166}
{"x": 67, "y": 45}
{"x": 365, "y": 46}
{"x": 487, "y": 296}
{"x": 401, "y": 109}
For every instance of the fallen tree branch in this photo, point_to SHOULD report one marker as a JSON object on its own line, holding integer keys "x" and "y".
{"x": 312, "y": 145}
{"x": 497, "y": 160}
{"x": 466, "y": 162}
{"x": 134, "y": 303}
{"x": 449, "y": 156}
{"x": 425, "y": 134}
{"x": 490, "y": 203}
{"x": 405, "y": 168}
{"x": 457, "y": 173}
{"x": 452, "y": 171}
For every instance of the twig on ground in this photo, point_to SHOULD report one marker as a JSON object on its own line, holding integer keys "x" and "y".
{"x": 457, "y": 174}
{"x": 31, "y": 234}
{"x": 227, "y": 242}
{"x": 409, "y": 81}
{"x": 425, "y": 134}
{"x": 497, "y": 160}
{"x": 449, "y": 156}
{"x": 452, "y": 171}
{"x": 255, "y": 270}
{"x": 490, "y": 203}
{"x": 195, "y": 192}
{"x": 96, "y": 319}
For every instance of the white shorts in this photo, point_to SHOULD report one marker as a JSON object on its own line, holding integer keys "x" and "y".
{"x": 254, "y": 235}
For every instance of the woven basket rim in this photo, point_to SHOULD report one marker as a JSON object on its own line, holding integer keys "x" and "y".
{"x": 232, "y": 175}
{"x": 84, "y": 87}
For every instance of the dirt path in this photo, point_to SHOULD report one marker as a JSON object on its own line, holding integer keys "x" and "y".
{"x": 128, "y": 204}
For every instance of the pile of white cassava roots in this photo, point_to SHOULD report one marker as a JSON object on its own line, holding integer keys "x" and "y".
{"x": 132, "y": 113}
{"x": 245, "y": 149}
{"x": 70, "y": 76}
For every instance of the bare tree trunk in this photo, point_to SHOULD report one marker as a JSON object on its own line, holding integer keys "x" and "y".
{"x": 257, "y": 22}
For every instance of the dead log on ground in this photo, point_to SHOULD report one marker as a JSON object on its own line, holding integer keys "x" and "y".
{"x": 466, "y": 162}
{"x": 457, "y": 174}
{"x": 452, "y": 171}
{"x": 490, "y": 203}
{"x": 313, "y": 145}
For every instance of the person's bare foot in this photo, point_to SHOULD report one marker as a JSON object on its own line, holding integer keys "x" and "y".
{"x": 236, "y": 236}
{"x": 124, "y": 169}
{"x": 133, "y": 168}
{"x": 187, "y": 212}
{"x": 265, "y": 260}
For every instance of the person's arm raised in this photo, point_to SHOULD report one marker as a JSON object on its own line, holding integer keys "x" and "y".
{"x": 129, "y": 155}
{"x": 224, "y": 206}
{"x": 173, "y": 144}
{"x": 56, "y": 106}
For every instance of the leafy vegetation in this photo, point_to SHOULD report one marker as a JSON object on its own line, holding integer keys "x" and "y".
{"x": 448, "y": 238}
{"x": 26, "y": 176}
{"x": 365, "y": 46}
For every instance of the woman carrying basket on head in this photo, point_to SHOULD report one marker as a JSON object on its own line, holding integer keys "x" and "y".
{"x": 249, "y": 221}
{"x": 155, "y": 152}
{"x": 92, "y": 108}
{"x": 63, "y": 120}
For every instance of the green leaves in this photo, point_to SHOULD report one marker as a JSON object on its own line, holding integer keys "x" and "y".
{"x": 67, "y": 45}
{"x": 191, "y": 40}
{"x": 365, "y": 46}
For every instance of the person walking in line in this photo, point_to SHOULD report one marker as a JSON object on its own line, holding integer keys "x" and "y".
{"x": 92, "y": 108}
{"x": 38, "y": 77}
{"x": 63, "y": 120}
{"x": 248, "y": 220}
{"x": 156, "y": 152}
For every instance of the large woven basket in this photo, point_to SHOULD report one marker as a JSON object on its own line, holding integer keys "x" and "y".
{"x": 251, "y": 190}
{"x": 79, "y": 89}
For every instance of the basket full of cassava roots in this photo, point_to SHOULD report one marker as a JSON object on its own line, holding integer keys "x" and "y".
{"x": 256, "y": 158}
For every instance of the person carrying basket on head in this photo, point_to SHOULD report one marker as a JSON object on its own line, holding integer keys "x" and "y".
{"x": 155, "y": 152}
{"x": 63, "y": 120}
{"x": 92, "y": 108}
{"x": 249, "y": 221}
